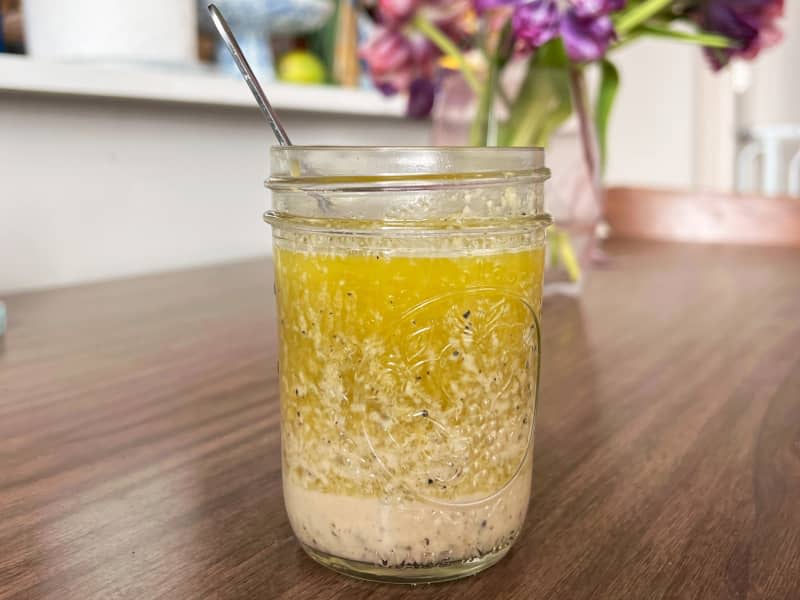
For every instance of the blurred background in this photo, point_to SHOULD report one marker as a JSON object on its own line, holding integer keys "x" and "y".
{"x": 128, "y": 143}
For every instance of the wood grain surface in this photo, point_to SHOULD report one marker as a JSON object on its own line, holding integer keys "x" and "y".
{"x": 139, "y": 440}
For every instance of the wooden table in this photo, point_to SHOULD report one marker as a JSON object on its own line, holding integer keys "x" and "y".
{"x": 139, "y": 440}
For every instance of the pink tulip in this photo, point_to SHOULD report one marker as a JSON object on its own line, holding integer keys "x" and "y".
{"x": 396, "y": 12}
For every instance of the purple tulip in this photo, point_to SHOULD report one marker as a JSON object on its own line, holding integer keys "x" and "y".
{"x": 749, "y": 23}
{"x": 586, "y": 39}
{"x": 535, "y": 23}
{"x": 388, "y": 56}
{"x": 481, "y": 6}
{"x": 400, "y": 62}
{"x": 595, "y": 8}
{"x": 420, "y": 98}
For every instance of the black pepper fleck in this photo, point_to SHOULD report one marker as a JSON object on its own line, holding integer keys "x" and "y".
{"x": 427, "y": 542}
{"x": 467, "y": 314}
{"x": 455, "y": 352}
{"x": 296, "y": 392}
{"x": 430, "y": 481}
{"x": 483, "y": 523}
{"x": 349, "y": 293}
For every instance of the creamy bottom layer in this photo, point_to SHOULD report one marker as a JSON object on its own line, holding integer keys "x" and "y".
{"x": 415, "y": 533}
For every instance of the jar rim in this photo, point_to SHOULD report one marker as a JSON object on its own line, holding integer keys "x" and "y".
{"x": 368, "y": 167}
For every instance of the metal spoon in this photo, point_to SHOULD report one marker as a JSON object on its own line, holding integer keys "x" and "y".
{"x": 252, "y": 82}
{"x": 250, "y": 78}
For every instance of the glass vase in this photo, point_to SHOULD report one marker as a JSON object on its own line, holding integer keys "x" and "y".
{"x": 559, "y": 119}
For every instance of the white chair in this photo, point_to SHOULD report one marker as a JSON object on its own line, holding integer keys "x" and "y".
{"x": 764, "y": 152}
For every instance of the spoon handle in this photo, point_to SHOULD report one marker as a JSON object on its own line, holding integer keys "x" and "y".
{"x": 238, "y": 57}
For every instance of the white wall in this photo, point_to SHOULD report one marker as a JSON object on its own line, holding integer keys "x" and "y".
{"x": 98, "y": 189}
{"x": 774, "y": 92}
{"x": 651, "y": 131}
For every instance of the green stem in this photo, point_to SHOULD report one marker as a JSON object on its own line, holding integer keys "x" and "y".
{"x": 638, "y": 14}
{"x": 710, "y": 40}
{"x": 479, "y": 134}
{"x": 446, "y": 45}
{"x": 624, "y": 41}
{"x": 501, "y": 93}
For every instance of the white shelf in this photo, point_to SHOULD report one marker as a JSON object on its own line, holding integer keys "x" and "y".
{"x": 200, "y": 86}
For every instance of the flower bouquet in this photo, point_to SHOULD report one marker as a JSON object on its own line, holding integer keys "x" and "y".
{"x": 524, "y": 64}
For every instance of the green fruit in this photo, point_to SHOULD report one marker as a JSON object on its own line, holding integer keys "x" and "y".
{"x": 301, "y": 66}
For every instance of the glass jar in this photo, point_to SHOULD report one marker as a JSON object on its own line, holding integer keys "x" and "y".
{"x": 409, "y": 284}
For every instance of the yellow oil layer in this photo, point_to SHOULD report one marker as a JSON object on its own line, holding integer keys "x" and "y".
{"x": 407, "y": 376}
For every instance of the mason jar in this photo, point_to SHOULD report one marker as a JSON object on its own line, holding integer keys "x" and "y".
{"x": 409, "y": 284}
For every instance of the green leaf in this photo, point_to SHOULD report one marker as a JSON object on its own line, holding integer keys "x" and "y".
{"x": 609, "y": 84}
{"x": 636, "y": 14}
{"x": 543, "y": 102}
{"x": 429, "y": 29}
{"x": 552, "y": 54}
{"x": 702, "y": 38}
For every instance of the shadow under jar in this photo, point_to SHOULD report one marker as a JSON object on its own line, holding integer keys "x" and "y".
{"x": 409, "y": 284}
